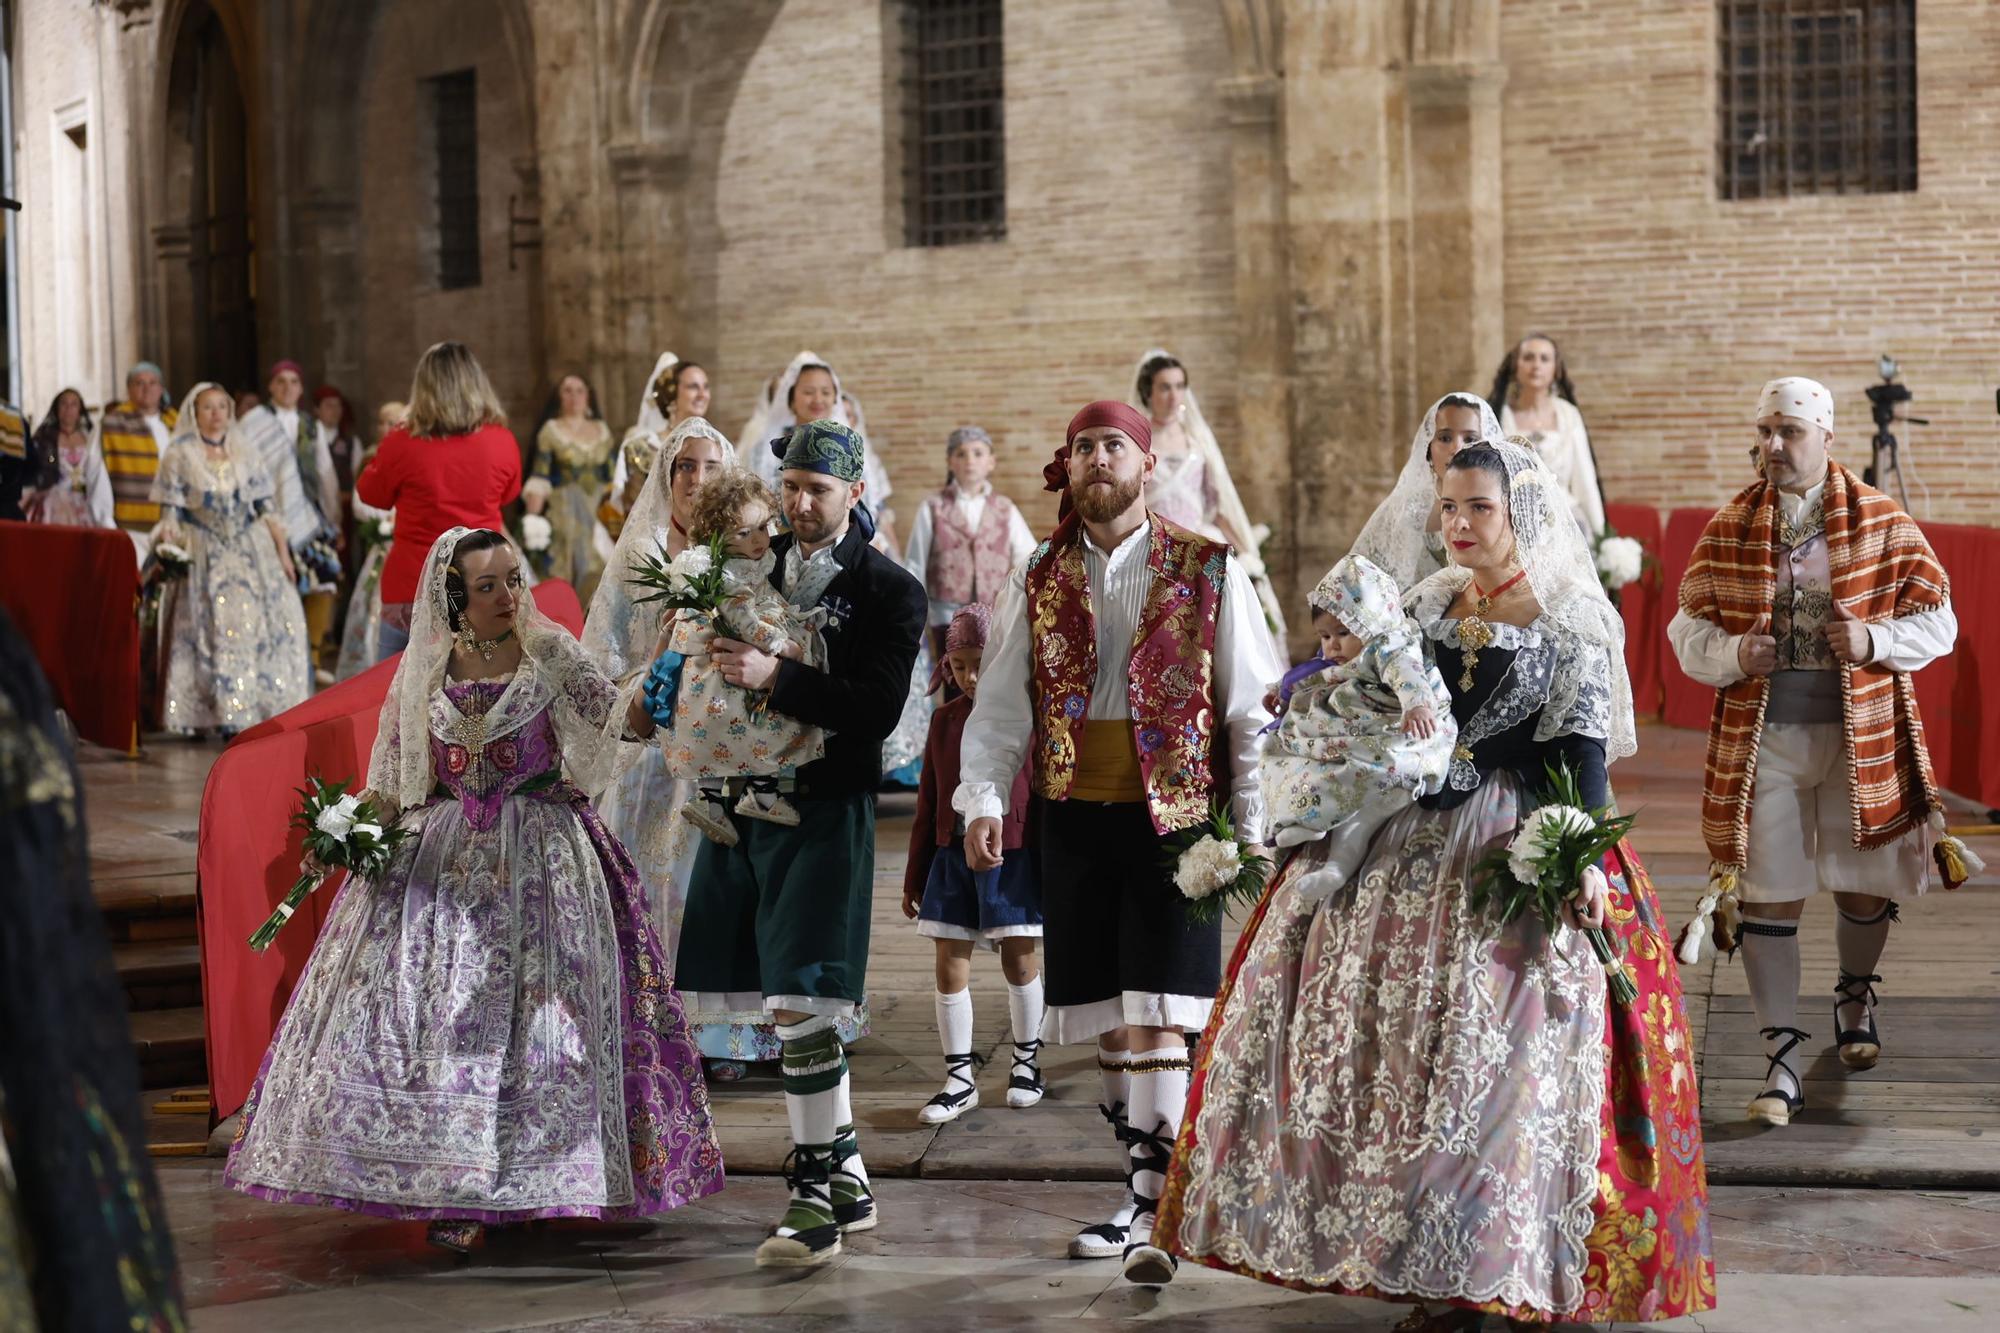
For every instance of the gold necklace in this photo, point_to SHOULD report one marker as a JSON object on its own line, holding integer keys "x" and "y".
{"x": 484, "y": 647}
{"x": 1473, "y": 631}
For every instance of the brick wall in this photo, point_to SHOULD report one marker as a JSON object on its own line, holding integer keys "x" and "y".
{"x": 1118, "y": 234}
{"x": 406, "y": 311}
{"x": 1674, "y": 307}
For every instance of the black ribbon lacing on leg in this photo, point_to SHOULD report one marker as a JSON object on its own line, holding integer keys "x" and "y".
{"x": 1024, "y": 1058}
{"x": 1775, "y": 1061}
{"x": 959, "y": 1068}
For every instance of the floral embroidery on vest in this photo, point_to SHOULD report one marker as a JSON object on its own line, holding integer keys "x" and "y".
{"x": 967, "y": 565}
{"x": 1172, "y": 688}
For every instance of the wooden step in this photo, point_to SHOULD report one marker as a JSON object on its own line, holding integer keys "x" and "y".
{"x": 159, "y": 974}
{"x": 140, "y": 908}
{"x": 171, "y": 1046}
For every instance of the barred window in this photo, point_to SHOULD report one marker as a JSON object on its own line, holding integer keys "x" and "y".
{"x": 1817, "y": 97}
{"x": 954, "y": 122}
{"x": 455, "y": 136}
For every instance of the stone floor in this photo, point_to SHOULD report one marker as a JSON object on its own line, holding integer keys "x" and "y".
{"x": 976, "y": 1213}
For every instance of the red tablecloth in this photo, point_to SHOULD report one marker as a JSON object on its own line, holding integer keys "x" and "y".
{"x": 1640, "y": 604}
{"x": 248, "y": 856}
{"x": 1962, "y": 732}
{"x": 74, "y": 593}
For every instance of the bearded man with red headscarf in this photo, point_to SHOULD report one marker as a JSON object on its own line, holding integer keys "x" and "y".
{"x": 1126, "y": 667}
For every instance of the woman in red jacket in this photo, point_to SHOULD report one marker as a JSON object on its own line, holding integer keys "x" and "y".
{"x": 452, "y": 463}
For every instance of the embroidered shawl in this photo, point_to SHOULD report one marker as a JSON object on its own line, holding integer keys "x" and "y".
{"x": 1882, "y": 568}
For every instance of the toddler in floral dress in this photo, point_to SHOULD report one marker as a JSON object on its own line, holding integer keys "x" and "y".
{"x": 725, "y": 737}
{"x": 1364, "y": 735}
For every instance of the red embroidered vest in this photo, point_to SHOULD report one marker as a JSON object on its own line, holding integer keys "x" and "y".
{"x": 967, "y": 565}
{"x": 1172, "y": 691}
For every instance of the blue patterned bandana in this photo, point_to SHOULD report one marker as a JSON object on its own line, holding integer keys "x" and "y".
{"x": 821, "y": 446}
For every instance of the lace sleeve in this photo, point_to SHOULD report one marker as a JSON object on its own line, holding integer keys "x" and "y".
{"x": 170, "y": 483}
{"x": 589, "y": 709}
{"x": 1580, "y": 695}
{"x": 582, "y": 685}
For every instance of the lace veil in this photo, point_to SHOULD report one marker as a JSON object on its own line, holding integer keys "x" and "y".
{"x": 774, "y": 417}
{"x": 1590, "y": 634}
{"x": 1394, "y": 535}
{"x": 616, "y": 634}
{"x": 249, "y": 464}
{"x": 400, "y": 766}
{"x": 649, "y": 420}
{"x": 1228, "y": 504}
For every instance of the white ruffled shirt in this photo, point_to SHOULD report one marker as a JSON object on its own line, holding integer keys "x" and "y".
{"x": 1001, "y": 728}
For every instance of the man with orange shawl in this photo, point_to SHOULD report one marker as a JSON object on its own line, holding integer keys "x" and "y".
{"x": 1810, "y": 600}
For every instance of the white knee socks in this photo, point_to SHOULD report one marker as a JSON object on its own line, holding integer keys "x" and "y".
{"x": 1024, "y": 1011}
{"x": 1860, "y": 940}
{"x": 1159, "y": 1094}
{"x": 1770, "y": 949}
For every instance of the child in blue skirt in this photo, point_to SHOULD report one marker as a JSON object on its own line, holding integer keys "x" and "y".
{"x": 999, "y": 908}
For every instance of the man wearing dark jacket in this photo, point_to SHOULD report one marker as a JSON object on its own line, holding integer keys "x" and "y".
{"x": 783, "y": 915}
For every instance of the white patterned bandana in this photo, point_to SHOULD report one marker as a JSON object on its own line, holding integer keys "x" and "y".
{"x": 1797, "y": 396}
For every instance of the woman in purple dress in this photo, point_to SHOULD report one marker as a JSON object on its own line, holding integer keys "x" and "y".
{"x": 489, "y": 1033}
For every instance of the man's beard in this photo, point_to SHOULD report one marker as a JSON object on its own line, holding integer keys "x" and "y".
{"x": 1101, "y": 506}
{"x": 815, "y": 529}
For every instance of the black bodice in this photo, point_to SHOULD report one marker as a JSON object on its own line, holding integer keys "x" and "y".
{"x": 1501, "y": 672}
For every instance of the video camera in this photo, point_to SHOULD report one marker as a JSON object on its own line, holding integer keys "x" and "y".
{"x": 1883, "y": 400}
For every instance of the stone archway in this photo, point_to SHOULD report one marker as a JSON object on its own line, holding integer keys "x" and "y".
{"x": 665, "y": 149}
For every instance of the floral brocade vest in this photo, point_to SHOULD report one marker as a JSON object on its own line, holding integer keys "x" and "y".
{"x": 1172, "y": 681}
{"x": 967, "y": 565}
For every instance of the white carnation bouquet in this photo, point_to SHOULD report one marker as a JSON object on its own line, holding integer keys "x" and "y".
{"x": 1541, "y": 869}
{"x": 1213, "y": 869}
{"x": 343, "y": 832}
{"x": 377, "y": 531}
{"x": 536, "y": 536}
{"x": 171, "y": 560}
{"x": 690, "y": 581}
{"x": 1619, "y": 560}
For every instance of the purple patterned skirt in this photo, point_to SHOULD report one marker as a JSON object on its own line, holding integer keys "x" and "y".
{"x": 490, "y": 1033}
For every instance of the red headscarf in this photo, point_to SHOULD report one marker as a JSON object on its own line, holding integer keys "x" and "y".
{"x": 1103, "y": 412}
{"x": 326, "y": 391}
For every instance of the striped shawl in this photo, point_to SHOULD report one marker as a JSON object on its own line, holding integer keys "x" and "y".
{"x": 1882, "y": 568}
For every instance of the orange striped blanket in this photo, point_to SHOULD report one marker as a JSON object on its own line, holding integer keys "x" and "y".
{"x": 1882, "y": 568}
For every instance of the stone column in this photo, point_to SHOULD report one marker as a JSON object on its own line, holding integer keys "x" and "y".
{"x": 646, "y": 317}
{"x": 1261, "y": 460}
{"x": 329, "y": 237}
{"x": 569, "y": 139}
{"x": 1458, "y": 242}
{"x": 1347, "y": 225}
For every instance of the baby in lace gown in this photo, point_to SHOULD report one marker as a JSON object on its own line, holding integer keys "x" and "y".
{"x": 1364, "y": 735}
{"x": 723, "y": 733}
